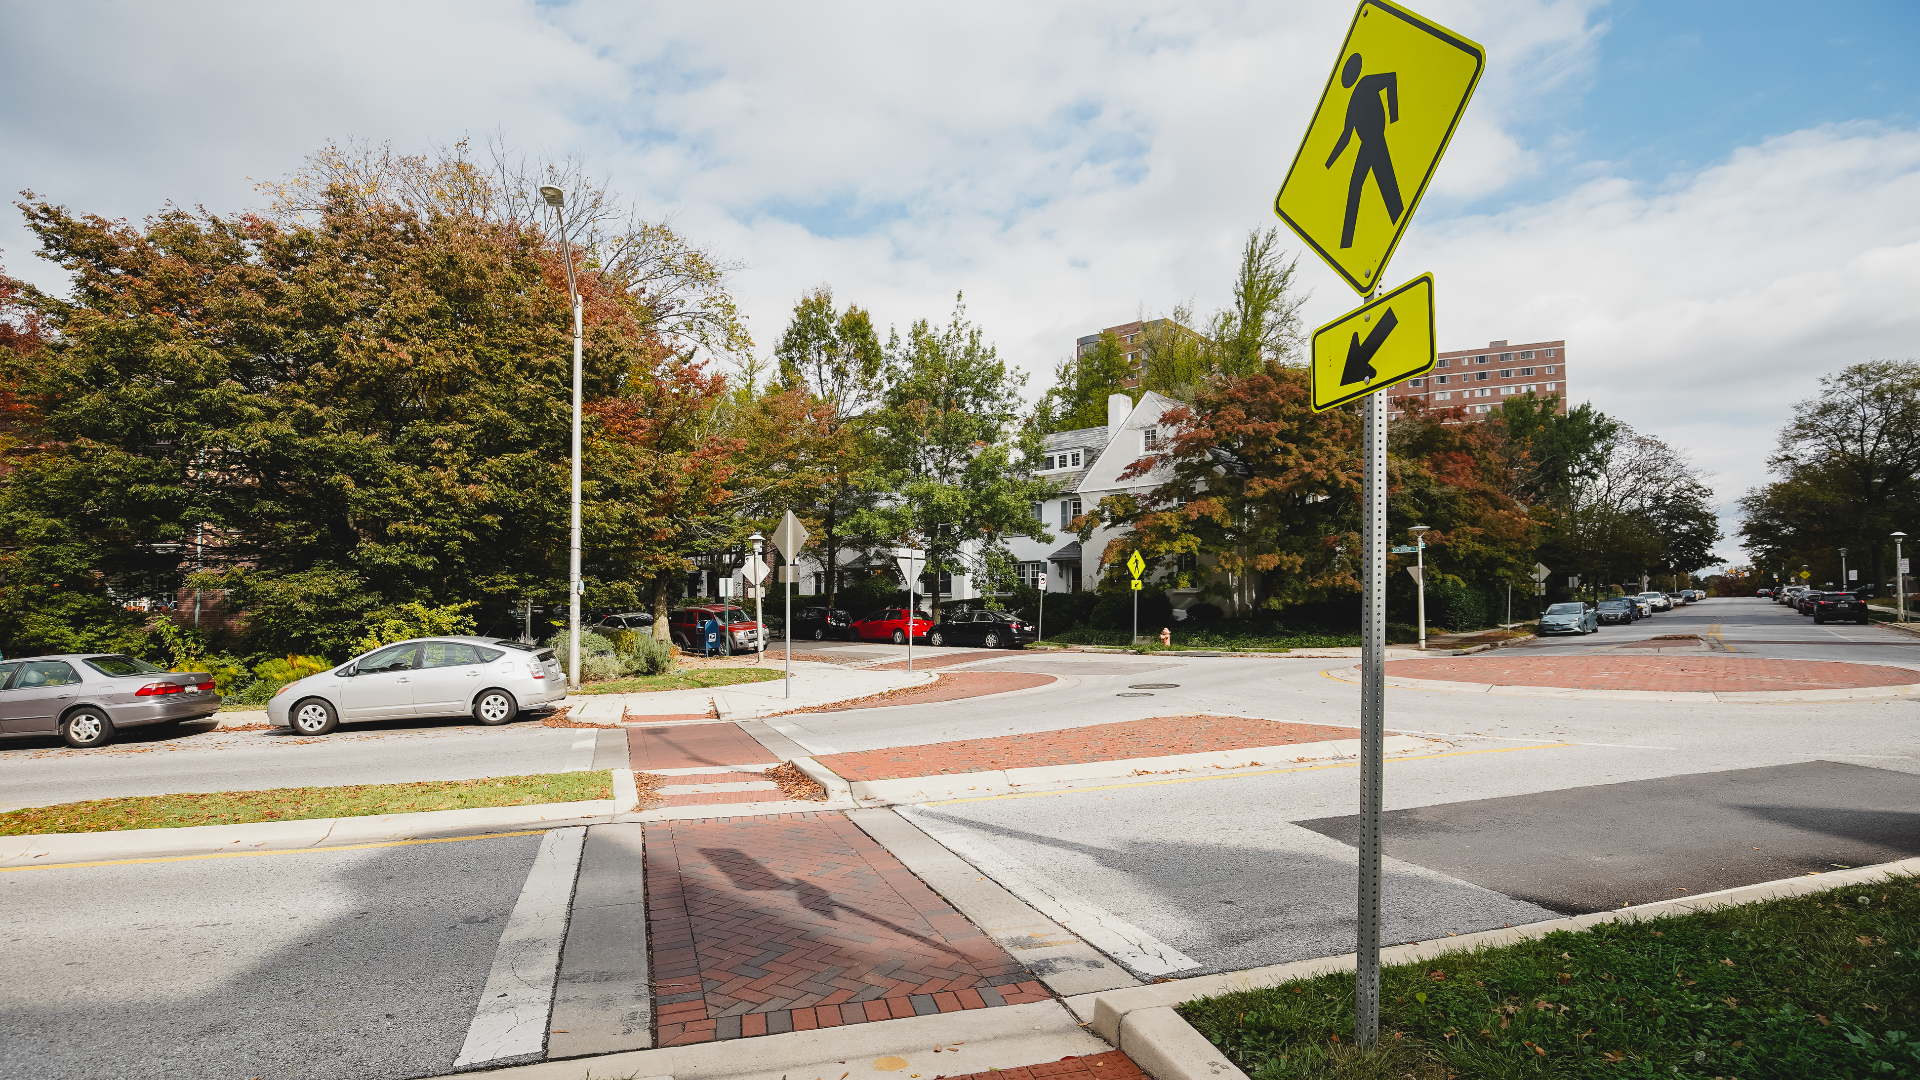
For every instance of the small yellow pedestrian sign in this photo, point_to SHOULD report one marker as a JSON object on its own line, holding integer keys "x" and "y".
{"x": 1804, "y": 575}
{"x": 1393, "y": 101}
{"x": 1136, "y": 564}
{"x": 1375, "y": 345}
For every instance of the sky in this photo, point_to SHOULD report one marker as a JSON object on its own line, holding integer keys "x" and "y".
{"x": 1713, "y": 203}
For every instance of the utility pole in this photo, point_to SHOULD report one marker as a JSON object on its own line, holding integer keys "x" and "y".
{"x": 556, "y": 199}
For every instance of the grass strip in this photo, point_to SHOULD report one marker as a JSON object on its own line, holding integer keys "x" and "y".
{"x": 302, "y": 803}
{"x": 1818, "y": 986}
{"x": 687, "y": 679}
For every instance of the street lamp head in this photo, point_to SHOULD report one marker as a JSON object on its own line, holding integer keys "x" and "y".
{"x": 554, "y": 196}
{"x": 1898, "y": 535}
{"x": 1418, "y": 529}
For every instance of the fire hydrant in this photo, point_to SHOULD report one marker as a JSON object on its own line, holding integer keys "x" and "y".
{"x": 1166, "y": 636}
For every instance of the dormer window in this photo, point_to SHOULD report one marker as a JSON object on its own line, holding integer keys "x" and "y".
{"x": 1065, "y": 459}
{"x": 1153, "y": 438}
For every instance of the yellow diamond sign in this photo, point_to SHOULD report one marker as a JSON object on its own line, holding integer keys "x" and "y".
{"x": 1136, "y": 564}
{"x": 1392, "y": 103}
{"x": 1374, "y": 345}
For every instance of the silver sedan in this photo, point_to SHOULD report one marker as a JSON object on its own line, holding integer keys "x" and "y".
{"x": 490, "y": 680}
{"x": 85, "y": 697}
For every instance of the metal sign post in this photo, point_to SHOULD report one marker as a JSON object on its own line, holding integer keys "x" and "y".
{"x": 1373, "y": 715}
{"x": 1040, "y": 624}
{"x": 1136, "y": 564}
{"x": 790, "y": 536}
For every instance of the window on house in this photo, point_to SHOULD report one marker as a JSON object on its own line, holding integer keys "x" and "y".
{"x": 1030, "y": 573}
{"x": 1506, "y": 373}
{"x": 1069, "y": 509}
{"x": 1073, "y": 460}
{"x": 1480, "y": 376}
{"x": 1039, "y": 511}
{"x": 1526, "y": 373}
{"x": 1153, "y": 438}
{"x": 1048, "y": 466}
{"x": 1527, "y": 355}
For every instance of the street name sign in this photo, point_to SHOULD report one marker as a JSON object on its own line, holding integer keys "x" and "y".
{"x": 1402, "y": 549}
{"x": 1375, "y": 345}
{"x": 1394, "y": 99}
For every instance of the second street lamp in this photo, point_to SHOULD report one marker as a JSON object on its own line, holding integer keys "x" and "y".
{"x": 1420, "y": 556}
{"x": 557, "y": 199}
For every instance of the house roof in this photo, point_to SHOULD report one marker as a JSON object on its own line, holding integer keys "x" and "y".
{"x": 1069, "y": 553}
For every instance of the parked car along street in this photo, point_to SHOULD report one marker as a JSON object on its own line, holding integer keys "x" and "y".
{"x": 85, "y": 697}
{"x": 624, "y": 621}
{"x": 1840, "y": 606}
{"x": 1657, "y": 600}
{"x": 1617, "y": 610}
{"x": 1569, "y": 619}
{"x": 820, "y": 623}
{"x": 993, "y": 629}
{"x": 738, "y": 631}
{"x": 488, "y": 679}
{"x": 890, "y": 624}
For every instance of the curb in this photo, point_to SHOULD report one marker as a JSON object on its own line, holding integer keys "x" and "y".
{"x": 999, "y": 781}
{"x": 1141, "y": 1020}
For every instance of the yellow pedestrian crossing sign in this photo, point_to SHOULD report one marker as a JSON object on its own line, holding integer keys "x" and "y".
{"x": 1136, "y": 564}
{"x": 1375, "y": 345}
{"x": 1393, "y": 101}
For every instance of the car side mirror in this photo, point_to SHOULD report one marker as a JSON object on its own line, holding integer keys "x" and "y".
{"x": 348, "y": 672}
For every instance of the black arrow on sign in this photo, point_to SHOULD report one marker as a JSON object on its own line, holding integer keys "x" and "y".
{"x": 1360, "y": 353}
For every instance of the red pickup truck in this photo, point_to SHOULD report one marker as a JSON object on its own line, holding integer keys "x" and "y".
{"x": 738, "y": 631}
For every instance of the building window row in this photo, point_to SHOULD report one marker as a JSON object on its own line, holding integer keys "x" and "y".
{"x": 1066, "y": 459}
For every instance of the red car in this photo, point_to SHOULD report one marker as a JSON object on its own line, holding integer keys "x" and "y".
{"x": 739, "y": 633}
{"x": 890, "y": 624}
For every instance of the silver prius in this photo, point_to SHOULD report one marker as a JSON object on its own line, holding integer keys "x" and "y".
{"x": 487, "y": 679}
{"x": 85, "y": 697}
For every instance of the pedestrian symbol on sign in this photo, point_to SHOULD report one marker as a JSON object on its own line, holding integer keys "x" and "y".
{"x": 1366, "y": 119}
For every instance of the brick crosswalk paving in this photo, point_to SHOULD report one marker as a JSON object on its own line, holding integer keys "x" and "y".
{"x": 1112, "y": 1065}
{"x": 793, "y": 922}
{"x": 952, "y": 686}
{"x": 929, "y": 660}
{"x": 1667, "y": 673}
{"x": 691, "y": 746}
{"x": 1154, "y": 737}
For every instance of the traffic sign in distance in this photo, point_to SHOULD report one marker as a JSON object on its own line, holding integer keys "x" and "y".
{"x": 1390, "y": 106}
{"x": 790, "y": 536}
{"x": 1375, "y": 345}
{"x": 1136, "y": 564}
{"x": 1540, "y": 571}
{"x": 1415, "y": 573}
{"x": 1804, "y": 575}
{"x": 1404, "y": 549}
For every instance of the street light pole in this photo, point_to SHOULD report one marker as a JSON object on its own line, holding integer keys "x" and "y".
{"x": 1843, "y": 568}
{"x": 1899, "y": 578}
{"x": 1420, "y": 556}
{"x": 556, "y": 199}
{"x": 759, "y": 595}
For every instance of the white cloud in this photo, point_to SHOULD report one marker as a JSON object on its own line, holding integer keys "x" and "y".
{"x": 1065, "y": 165}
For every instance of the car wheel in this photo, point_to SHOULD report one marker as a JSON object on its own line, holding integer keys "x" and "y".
{"x": 936, "y": 639}
{"x": 991, "y": 639}
{"x": 1817, "y": 620}
{"x": 312, "y": 717}
{"x": 819, "y": 634}
{"x": 86, "y": 727}
{"x": 1863, "y": 620}
{"x": 899, "y": 638}
{"x": 495, "y": 707}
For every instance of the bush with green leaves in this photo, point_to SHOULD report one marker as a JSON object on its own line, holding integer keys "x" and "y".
{"x": 413, "y": 620}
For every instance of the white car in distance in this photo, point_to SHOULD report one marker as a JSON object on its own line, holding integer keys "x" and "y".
{"x": 488, "y": 679}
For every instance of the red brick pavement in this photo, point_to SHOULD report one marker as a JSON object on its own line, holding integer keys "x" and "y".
{"x": 716, "y": 798}
{"x": 951, "y": 686}
{"x": 943, "y": 658}
{"x": 1154, "y": 737}
{"x": 1701, "y": 673}
{"x": 793, "y": 922}
{"x": 1112, "y": 1065}
{"x": 663, "y": 718}
{"x": 690, "y": 746}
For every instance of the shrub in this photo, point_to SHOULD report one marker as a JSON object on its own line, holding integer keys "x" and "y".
{"x": 641, "y": 653}
{"x": 412, "y": 620}
{"x": 598, "y": 666}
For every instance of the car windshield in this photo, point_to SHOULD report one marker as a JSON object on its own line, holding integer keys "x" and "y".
{"x": 735, "y": 615}
{"x": 1566, "y": 609}
{"x": 1613, "y": 603}
{"x": 121, "y": 667}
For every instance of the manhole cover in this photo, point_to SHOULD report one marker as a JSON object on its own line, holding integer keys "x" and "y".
{"x": 1154, "y": 686}
{"x": 1133, "y": 695}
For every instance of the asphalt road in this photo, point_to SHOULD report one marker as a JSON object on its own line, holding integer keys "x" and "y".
{"x": 353, "y": 964}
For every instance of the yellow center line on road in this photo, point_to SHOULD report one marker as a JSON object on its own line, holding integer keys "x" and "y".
{"x": 275, "y": 851}
{"x": 1245, "y": 776}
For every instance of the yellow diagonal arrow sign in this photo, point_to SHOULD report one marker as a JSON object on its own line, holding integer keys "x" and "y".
{"x": 1375, "y": 345}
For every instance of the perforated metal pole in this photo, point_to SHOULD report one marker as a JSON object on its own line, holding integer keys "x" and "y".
{"x": 1373, "y": 714}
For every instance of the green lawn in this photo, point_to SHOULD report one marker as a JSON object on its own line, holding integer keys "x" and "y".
{"x": 296, "y": 804}
{"x": 684, "y": 679}
{"x": 1823, "y": 986}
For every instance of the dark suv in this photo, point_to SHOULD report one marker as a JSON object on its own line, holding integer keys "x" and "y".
{"x": 821, "y": 623}
{"x": 1808, "y": 601}
{"x": 1618, "y": 610}
{"x": 1840, "y": 606}
{"x": 993, "y": 629}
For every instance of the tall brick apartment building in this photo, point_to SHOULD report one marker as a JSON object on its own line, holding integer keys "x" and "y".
{"x": 1478, "y": 379}
{"x": 1133, "y": 341}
